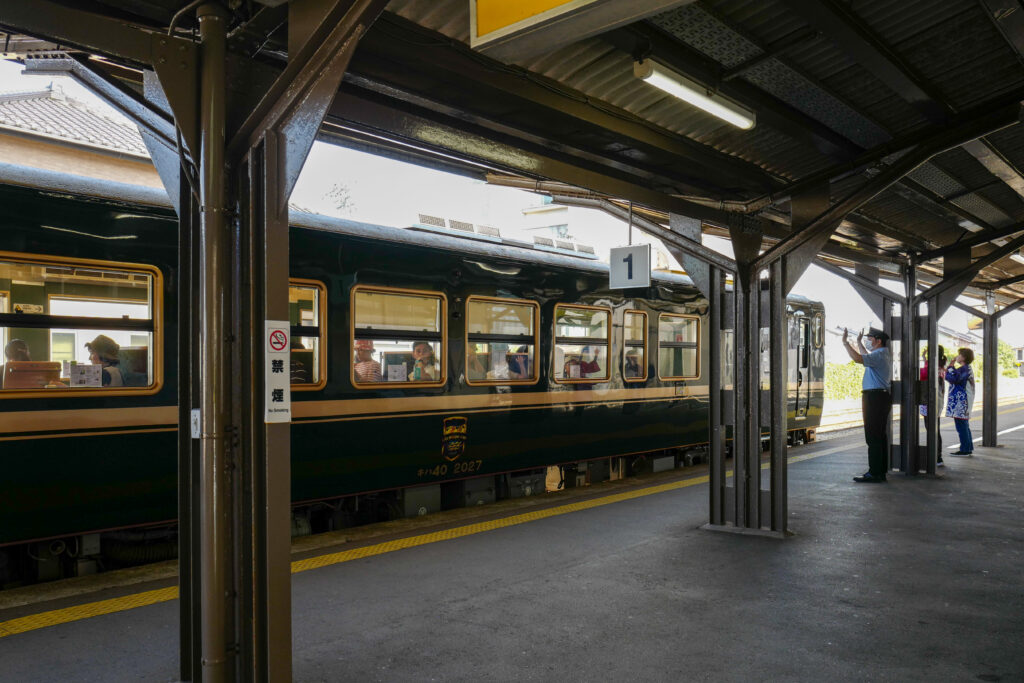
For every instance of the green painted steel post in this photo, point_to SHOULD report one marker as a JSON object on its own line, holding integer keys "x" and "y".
{"x": 214, "y": 354}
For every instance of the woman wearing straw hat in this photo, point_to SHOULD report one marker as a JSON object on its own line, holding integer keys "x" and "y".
{"x": 104, "y": 351}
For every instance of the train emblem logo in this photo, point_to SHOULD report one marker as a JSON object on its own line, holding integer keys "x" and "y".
{"x": 453, "y": 439}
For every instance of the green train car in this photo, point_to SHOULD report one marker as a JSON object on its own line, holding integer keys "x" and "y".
{"x": 428, "y": 370}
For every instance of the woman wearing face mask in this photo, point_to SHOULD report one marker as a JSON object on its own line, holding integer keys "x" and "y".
{"x": 961, "y": 398}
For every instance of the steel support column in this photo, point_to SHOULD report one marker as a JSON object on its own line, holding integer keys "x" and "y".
{"x": 215, "y": 400}
{"x": 930, "y": 393}
{"x": 189, "y": 474}
{"x": 909, "y": 417}
{"x": 746, "y": 451}
{"x": 716, "y": 416}
{"x": 990, "y": 373}
{"x": 779, "y": 383}
{"x": 264, "y": 529}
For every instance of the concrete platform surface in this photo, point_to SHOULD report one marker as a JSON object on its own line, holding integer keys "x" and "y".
{"x": 918, "y": 579}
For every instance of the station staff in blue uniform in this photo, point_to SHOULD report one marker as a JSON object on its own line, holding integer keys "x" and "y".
{"x": 872, "y": 351}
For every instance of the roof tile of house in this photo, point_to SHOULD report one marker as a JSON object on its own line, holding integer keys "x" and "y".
{"x": 52, "y": 114}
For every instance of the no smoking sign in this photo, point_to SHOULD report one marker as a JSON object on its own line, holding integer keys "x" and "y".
{"x": 278, "y": 398}
{"x": 278, "y": 340}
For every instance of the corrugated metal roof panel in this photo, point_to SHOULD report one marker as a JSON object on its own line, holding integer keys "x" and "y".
{"x": 949, "y": 46}
{"x": 450, "y": 17}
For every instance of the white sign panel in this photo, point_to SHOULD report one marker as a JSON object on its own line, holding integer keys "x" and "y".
{"x": 630, "y": 267}
{"x": 278, "y": 397}
{"x": 83, "y": 375}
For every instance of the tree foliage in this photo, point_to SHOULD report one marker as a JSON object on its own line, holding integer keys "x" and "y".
{"x": 843, "y": 380}
{"x": 1007, "y": 362}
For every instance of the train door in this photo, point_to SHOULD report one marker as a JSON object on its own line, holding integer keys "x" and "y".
{"x": 803, "y": 362}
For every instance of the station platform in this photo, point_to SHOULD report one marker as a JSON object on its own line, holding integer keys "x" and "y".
{"x": 918, "y": 579}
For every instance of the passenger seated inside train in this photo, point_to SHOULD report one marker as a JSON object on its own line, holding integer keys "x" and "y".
{"x": 365, "y": 367}
{"x": 17, "y": 350}
{"x": 632, "y": 368}
{"x": 105, "y": 352}
{"x": 519, "y": 366}
{"x": 424, "y": 367}
{"x": 583, "y": 365}
{"x": 499, "y": 362}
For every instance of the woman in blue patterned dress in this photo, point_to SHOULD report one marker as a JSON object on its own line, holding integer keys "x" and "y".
{"x": 961, "y": 398}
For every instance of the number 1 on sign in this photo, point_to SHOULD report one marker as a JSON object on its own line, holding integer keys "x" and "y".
{"x": 629, "y": 264}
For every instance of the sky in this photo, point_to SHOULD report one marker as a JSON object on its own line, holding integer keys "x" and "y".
{"x": 383, "y": 191}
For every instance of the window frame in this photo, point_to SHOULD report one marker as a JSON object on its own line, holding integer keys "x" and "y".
{"x": 696, "y": 346}
{"x": 5, "y": 296}
{"x": 626, "y": 347}
{"x": 322, "y": 336}
{"x": 156, "y": 317}
{"x": 555, "y": 343}
{"x": 536, "y": 342}
{"x": 379, "y": 386}
{"x": 818, "y": 329}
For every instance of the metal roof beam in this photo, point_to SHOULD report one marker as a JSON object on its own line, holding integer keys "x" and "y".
{"x": 127, "y": 101}
{"x": 84, "y": 30}
{"x": 964, "y": 277}
{"x": 332, "y": 37}
{"x": 982, "y": 150}
{"x": 667, "y": 235}
{"x": 426, "y": 130}
{"x": 970, "y": 309}
{"x": 946, "y": 139}
{"x": 862, "y": 281}
{"x": 398, "y": 57}
{"x": 1009, "y": 20}
{"x": 862, "y": 221}
{"x": 1009, "y": 309}
{"x": 998, "y": 284}
{"x": 856, "y": 40}
{"x": 974, "y": 240}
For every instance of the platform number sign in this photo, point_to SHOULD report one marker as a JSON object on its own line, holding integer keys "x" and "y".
{"x": 630, "y": 267}
{"x": 278, "y": 395}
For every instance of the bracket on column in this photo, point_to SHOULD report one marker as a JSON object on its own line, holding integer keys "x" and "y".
{"x": 951, "y": 288}
{"x": 746, "y": 235}
{"x": 805, "y": 208}
{"x": 697, "y": 269}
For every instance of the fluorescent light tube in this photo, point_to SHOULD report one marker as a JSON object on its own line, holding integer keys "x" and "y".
{"x": 696, "y": 94}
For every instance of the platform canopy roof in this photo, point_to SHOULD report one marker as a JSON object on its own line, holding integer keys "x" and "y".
{"x": 842, "y": 90}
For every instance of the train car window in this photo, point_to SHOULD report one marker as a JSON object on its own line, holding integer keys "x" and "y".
{"x": 397, "y": 336}
{"x": 803, "y": 355}
{"x": 307, "y": 313}
{"x": 73, "y": 327}
{"x": 634, "y": 341}
{"x": 581, "y": 343}
{"x": 4, "y": 298}
{"x": 678, "y": 338}
{"x": 501, "y": 341}
{"x": 818, "y": 331}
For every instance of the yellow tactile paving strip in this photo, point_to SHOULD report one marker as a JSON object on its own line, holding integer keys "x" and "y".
{"x": 90, "y": 609}
{"x": 94, "y": 609}
{"x": 469, "y": 529}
